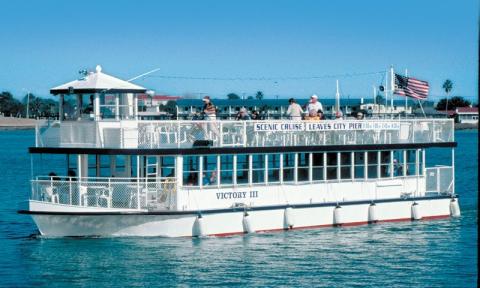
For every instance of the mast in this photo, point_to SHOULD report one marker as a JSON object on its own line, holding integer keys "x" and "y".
{"x": 385, "y": 91}
{"x": 392, "y": 89}
{"x": 337, "y": 99}
{"x": 406, "y": 101}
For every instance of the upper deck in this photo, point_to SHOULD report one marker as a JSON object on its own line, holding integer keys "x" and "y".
{"x": 139, "y": 134}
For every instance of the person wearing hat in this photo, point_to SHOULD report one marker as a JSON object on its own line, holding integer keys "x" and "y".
{"x": 209, "y": 110}
{"x": 314, "y": 104}
{"x": 294, "y": 111}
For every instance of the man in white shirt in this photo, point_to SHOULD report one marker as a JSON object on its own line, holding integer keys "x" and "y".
{"x": 294, "y": 111}
{"x": 314, "y": 104}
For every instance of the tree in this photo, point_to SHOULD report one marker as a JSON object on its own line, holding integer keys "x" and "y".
{"x": 10, "y": 106}
{"x": 259, "y": 95}
{"x": 452, "y": 104}
{"x": 447, "y": 86}
{"x": 250, "y": 97}
{"x": 233, "y": 96}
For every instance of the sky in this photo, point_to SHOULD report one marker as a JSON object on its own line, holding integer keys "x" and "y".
{"x": 283, "y": 48}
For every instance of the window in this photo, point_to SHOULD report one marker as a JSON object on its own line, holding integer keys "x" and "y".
{"x": 226, "y": 169}
{"x": 359, "y": 165}
{"x": 258, "y": 168}
{"x": 332, "y": 163}
{"x": 372, "y": 164}
{"x": 210, "y": 172}
{"x": 288, "y": 167}
{"x": 302, "y": 164}
{"x": 420, "y": 161}
{"x": 385, "y": 164}
{"x": 411, "y": 162}
{"x": 345, "y": 165}
{"x": 273, "y": 168}
{"x": 242, "y": 169}
{"x": 190, "y": 170}
{"x": 167, "y": 166}
{"x": 398, "y": 163}
{"x": 317, "y": 163}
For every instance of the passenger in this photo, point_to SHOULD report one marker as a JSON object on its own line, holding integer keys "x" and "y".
{"x": 338, "y": 115}
{"x": 397, "y": 168}
{"x": 294, "y": 111}
{"x": 359, "y": 116}
{"x": 312, "y": 115}
{"x": 206, "y": 180}
{"x": 243, "y": 114}
{"x": 72, "y": 176}
{"x": 53, "y": 176}
{"x": 321, "y": 115}
{"x": 210, "y": 131}
{"x": 255, "y": 115}
{"x": 213, "y": 177}
{"x": 314, "y": 104}
{"x": 209, "y": 110}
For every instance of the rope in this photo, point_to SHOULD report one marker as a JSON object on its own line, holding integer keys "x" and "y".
{"x": 346, "y": 75}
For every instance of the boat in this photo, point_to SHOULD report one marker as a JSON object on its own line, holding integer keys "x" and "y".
{"x": 102, "y": 171}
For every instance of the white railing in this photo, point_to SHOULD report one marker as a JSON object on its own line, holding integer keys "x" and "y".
{"x": 120, "y": 193}
{"x": 440, "y": 180}
{"x": 265, "y": 133}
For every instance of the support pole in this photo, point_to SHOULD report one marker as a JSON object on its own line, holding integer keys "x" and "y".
{"x": 392, "y": 89}
{"x": 60, "y": 107}
{"x": 406, "y": 101}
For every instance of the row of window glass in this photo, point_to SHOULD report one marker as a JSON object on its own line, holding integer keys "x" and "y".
{"x": 291, "y": 167}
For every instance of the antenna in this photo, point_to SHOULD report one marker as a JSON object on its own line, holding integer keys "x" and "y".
{"x": 337, "y": 99}
{"x": 144, "y": 74}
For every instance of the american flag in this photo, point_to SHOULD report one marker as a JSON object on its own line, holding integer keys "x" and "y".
{"x": 411, "y": 87}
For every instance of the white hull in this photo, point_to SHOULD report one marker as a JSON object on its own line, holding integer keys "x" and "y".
{"x": 228, "y": 222}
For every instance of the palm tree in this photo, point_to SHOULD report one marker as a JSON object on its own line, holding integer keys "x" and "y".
{"x": 447, "y": 86}
{"x": 259, "y": 95}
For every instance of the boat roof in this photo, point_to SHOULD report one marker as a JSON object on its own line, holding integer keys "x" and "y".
{"x": 95, "y": 82}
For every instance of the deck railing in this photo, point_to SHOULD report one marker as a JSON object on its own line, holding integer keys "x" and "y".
{"x": 440, "y": 180}
{"x": 121, "y": 193}
{"x": 265, "y": 133}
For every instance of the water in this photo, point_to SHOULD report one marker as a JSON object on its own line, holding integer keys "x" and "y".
{"x": 440, "y": 253}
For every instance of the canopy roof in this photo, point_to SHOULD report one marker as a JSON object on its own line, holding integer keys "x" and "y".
{"x": 97, "y": 82}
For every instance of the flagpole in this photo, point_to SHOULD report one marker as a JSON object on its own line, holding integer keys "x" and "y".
{"x": 386, "y": 92}
{"x": 337, "y": 99}
{"x": 392, "y": 87}
{"x": 406, "y": 99}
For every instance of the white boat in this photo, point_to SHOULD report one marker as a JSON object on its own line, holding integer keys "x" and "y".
{"x": 117, "y": 175}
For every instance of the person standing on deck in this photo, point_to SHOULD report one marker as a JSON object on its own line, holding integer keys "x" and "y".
{"x": 314, "y": 104}
{"x": 209, "y": 110}
{"x": 294, "y": 111}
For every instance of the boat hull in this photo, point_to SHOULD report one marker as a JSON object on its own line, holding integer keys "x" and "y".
{"x": 231, "y": 221}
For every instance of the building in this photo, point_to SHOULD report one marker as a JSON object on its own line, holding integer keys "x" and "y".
{"x": 466, "y": 115}
{"x": 276, "y": 108}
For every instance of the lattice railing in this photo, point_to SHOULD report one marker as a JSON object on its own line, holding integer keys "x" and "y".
{"x": 121, "y": 193}
{"x": 267, "y": 133}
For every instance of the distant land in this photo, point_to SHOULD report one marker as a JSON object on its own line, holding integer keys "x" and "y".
{"x": 14, "y": 123}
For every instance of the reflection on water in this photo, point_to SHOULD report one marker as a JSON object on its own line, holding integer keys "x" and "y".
{"x": 421, "y": 254}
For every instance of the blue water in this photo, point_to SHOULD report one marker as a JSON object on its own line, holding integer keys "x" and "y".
{"x": 440, "y": 253}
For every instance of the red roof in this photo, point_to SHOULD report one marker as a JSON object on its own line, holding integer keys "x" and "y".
{"x": 467, "y": 110}
{"x": 448, "y": 112}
